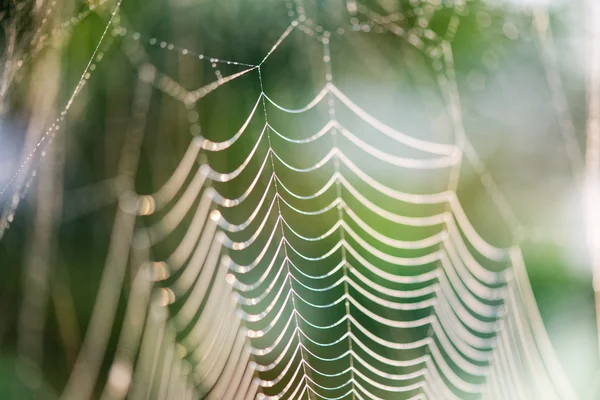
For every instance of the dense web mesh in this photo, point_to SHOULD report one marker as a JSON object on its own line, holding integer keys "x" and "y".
{"x": 309, "y": 248}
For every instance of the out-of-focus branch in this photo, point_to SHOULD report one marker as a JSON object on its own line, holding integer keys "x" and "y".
{"x": 47, "y": 208}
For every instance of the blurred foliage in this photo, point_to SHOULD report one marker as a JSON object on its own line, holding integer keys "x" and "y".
{"x": 507, "y": 108}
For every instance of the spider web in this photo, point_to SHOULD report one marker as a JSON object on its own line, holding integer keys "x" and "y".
{"x": 249, "y": 303}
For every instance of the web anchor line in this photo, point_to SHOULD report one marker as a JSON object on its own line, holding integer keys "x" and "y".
{"x": 47, "y": 136}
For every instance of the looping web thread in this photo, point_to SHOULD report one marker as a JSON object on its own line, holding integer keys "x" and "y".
{"x": 456, "y": 319}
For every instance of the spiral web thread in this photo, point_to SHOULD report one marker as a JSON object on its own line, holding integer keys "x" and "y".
{"x": 203, "y": 324}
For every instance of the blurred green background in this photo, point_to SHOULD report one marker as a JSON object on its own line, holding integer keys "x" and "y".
{"x": 505, "y": 100}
